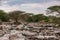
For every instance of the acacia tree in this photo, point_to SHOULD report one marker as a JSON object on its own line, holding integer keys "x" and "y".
{"x": 16, "y": 16}
{"x": 26, "y": 17}
{"x": 54, "y": 9}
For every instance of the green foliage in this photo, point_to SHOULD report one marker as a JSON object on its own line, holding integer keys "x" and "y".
{"x": 16, "y": 16}
{"x": 53, "y": 19}
{"x": 3, "y": 15}
{"x": 37, "y": 18}
{"x": 27, "y": 17}
{"x": 54, "y": 9}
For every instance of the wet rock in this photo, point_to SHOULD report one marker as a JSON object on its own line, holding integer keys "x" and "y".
{"x": 1, "y": 33}
{"x": 17, "y": 37}
{"x": 5, "y": 37}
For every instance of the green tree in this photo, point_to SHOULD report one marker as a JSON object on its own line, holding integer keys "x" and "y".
{"x": 16, "y": 16}
{"x": 54, "y": 9}
{"x": 3, "y": 16}
{"x": 27, "y": 17}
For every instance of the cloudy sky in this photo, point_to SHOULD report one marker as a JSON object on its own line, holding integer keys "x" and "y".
{"x": 34, "y": 6}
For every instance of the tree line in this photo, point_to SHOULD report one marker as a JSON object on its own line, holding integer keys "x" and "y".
{"x": 30, "y": 17}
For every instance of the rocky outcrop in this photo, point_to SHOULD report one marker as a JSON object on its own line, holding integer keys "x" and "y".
{"x": 21, "y": 32}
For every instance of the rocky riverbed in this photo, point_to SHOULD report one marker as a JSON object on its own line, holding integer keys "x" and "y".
{"x": 21, "y": 32}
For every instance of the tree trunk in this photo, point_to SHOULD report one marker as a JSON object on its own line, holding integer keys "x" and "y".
{"x": 16, "y": 22}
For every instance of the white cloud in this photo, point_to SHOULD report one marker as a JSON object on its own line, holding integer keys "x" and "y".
{"x": 37, "y": 7}
{"x": 51, "y": 4}
{"x": 34, "y": 5}
{"x": 9, "y": 8}
{"x": 41, "y": 5}
{"x": 29, "y": 7}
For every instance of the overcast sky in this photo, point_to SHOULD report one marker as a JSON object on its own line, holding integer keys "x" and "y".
{"x": 34, "y": 6}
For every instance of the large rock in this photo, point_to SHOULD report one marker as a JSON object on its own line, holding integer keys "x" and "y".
{"x": 1, "y": 33}
{"x": 5, "y": 37}
{"x": 16, "y": 35}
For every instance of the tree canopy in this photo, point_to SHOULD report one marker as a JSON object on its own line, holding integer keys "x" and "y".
{"x": 3, "y": 16}
{"x": 21, "y": 16}
{"x": 15, "y": 15}
{"x": 54, "y": 9}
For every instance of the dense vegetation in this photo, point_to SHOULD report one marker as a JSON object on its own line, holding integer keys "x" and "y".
{"x": 29, "y": 17}
{"x": 3, "y": 16}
